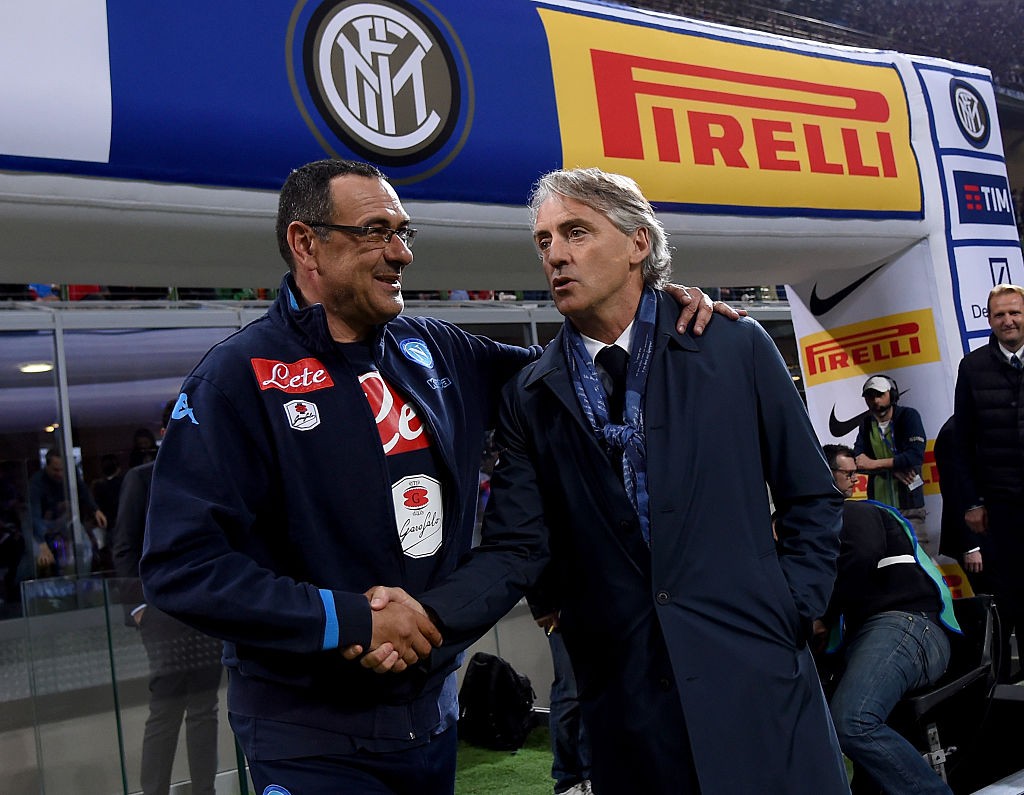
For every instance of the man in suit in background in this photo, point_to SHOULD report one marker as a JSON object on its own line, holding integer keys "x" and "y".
{"x": 956, "y": 540}
{"x": 184, "y": 665}
{"x": 989, "y": 460}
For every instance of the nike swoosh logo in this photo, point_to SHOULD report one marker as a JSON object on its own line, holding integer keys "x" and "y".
{"x": 839, "y": 428}
{"x": 819, "y": 306}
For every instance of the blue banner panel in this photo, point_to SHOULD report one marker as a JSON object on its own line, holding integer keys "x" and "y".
{"x": 983, "y": 198}
{"x": 453, "y": 100}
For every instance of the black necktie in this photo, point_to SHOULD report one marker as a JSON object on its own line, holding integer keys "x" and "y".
{"x": 615, "y": 362}
{"x": 1015, "y": 362}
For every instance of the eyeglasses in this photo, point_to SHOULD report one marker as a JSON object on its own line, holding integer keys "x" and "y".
{"x": 373, "y": 234}
{"x": 850, "y": 473}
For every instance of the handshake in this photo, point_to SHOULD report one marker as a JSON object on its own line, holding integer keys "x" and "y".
{"x": 402, "y": 633}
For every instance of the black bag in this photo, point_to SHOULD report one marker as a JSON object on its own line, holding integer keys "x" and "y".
{"x": 495, "y": 704}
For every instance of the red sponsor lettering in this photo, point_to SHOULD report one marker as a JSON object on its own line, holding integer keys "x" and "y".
{"x": 770, "y": 145}
{"x": 397, "y": 422}
{"x": 305, "y": 375}
{"x": 929, "y": 469}
{"x": 618, "y": 87}
{"x": 876, "y": 345}
{"x": 817, "y": 159}
{"x": 715, "y": 132}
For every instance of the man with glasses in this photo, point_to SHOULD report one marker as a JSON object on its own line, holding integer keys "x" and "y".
{"x": 328, "y": 446}
{"x": 888, "y": 617}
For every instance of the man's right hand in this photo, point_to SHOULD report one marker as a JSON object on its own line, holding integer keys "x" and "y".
{"x": 976, "y": 519}
{"x": 973, "y": 563}
{"x": 402, "y": 633}
{"x": 410, "y": 634}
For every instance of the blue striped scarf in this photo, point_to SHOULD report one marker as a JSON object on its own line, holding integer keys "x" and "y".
{"x": 629, "y": 437}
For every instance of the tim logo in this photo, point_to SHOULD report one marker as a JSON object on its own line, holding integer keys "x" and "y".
{"x": 383, "y": 79}
{"x": 983, "y": 198}
{"x": 970, "y": 112}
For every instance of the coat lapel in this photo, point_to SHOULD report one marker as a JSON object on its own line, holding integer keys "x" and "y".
{"x": 551, "y": 372}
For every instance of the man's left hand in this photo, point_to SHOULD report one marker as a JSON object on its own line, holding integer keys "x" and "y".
{"x": 697, "y": 302}
{"x": 905, "y": 476}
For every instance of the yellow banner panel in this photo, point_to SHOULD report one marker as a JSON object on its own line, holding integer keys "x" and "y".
{"x": 884, "y": 343}
{"x": 701, "y": 121}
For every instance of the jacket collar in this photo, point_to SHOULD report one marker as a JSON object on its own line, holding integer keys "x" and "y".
{"x": 309, "y": 322}
{"x": 997, "y": 351}
{"x": 551, "y": 366}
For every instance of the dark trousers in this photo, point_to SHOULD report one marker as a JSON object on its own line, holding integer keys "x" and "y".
{"x": 185, "y": 673}
{"x": 12, "y": 549}
{"x": 1003, "y": 558}
{"x": 638, "y": 749}
{"x": 427, "y": 769}
{"x": 570, "y": 746}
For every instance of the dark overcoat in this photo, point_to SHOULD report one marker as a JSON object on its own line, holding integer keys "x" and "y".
{"x": 712, "y": 620}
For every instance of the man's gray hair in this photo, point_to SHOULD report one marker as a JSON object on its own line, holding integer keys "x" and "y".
{"x": 617, "y": 198}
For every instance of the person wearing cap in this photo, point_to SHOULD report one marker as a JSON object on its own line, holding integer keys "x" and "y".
{"x": 890, "y": 451}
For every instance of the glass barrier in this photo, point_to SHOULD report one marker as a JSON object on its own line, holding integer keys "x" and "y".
{"x": 122, "y": 697}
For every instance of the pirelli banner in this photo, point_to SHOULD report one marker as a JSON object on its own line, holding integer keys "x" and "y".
{"x": 706, "y": 123}
{"x": 465, "y": 101}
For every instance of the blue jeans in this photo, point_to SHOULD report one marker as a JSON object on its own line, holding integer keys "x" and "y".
{"x": 891, "y": 654}
{"x": 569, "y": 745}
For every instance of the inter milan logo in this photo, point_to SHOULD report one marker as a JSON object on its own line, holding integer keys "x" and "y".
{"x": 970, "y": 112}
{"x": 383, "y": 78}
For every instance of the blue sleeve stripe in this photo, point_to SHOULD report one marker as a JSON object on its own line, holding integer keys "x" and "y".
{"x": 331, "y": 622}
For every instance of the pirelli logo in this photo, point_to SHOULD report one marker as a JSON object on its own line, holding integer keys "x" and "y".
{"x": 885, "y": 343}
{"x": 703, "y": 121}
